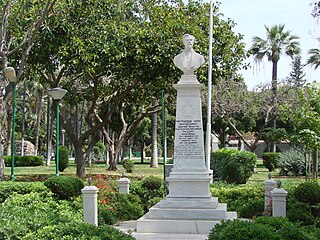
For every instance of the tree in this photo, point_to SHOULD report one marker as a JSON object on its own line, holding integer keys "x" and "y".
{"x": 314, "y": 59}
{"x": 90, "y": 47}
{"x": 20, "y": 23}
{"x": 303, "y": 123}
{"x": 297, "y": 75}
{"x": 278, "y": 42}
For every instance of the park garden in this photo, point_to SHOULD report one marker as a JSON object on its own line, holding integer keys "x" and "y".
{"x": 112, "y": 60}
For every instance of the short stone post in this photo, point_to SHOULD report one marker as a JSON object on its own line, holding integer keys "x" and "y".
{"x": 90, "y": 204}
{"x": 279, "y": 201}
{"x": 124, "y": 184}
{"x": 268, "y": 187}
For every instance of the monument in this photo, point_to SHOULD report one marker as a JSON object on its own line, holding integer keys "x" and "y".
{"x": 189, "y": 206}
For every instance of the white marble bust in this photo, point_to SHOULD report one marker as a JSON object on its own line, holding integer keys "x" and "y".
{"x": 188, "y": 60}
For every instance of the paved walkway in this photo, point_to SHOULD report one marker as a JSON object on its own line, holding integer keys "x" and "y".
{"x": 130, "y": 226}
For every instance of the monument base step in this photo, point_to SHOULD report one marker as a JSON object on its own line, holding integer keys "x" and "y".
{"x": 147, "y": 225}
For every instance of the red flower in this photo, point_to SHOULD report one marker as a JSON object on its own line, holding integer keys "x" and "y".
{"x": 103, "y": 201}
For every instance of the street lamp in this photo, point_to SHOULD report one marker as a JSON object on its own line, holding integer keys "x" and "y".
{"x": 63, "y": 131}
{"x": 11, "y": 75}
{"x": 57, "y": 94}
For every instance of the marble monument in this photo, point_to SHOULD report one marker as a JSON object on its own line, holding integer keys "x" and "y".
{"x": 189, "y": 206}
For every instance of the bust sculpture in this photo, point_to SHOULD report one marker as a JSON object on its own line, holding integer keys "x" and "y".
{"x": 188, "y": 60}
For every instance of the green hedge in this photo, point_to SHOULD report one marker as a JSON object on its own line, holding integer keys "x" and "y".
{"x": 233, "y": 166}
{"x": 24, "y": 161}
{"x": 64, "y": 186}
{"x": 270, "y": 160}
{"x": 8, "y": 188}
{"x": 266, "y": 228}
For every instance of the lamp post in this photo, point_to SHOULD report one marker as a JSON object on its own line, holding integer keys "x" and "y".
{"x": 11, "y": 75}
{"x": 63, "y": 131}
{"x": 57, "y": 94}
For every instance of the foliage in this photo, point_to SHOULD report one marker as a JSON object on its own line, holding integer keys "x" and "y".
{"x": 268, "y": 228}
{"x": 308, "y": 192}
{"x": 65, "y": 187}
{"x": 22, "y": 214}
{"x": 116, "y": 206}
{"x": 78, "y": 231}
{"x": 9, "y": 188}
{"x": 63, "y": 158}
{"x": 292, "y": 162}
{"x": 270, "y": 160}
{"x": 246, "y": 200}
{"x": 99, "y": 151}
{"x": 128, "y": 165}
{"x": 233, "y": 166}
{"x": 303, "y": 123}
{"x": 24, "y": 161}
{"x": 150, "y": 191}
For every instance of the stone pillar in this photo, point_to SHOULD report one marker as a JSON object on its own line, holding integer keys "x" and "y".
{"x": 279, "y": 200}
{"x": 268, "y": 187}
{"x": 124, "y": 184}
{"x": 90, "y": 204}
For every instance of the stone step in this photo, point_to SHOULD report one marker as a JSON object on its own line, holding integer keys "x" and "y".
{"x": 146, "y": 225}
{"x": 218, "y": 213}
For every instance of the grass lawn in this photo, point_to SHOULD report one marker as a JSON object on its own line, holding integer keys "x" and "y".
{"x": 140, "y": 170}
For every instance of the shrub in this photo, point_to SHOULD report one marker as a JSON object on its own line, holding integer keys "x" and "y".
{"x": 225, "y": 165}
{"x": 267, "y": 228}
{"x": 105, "y": 216}
{"x": 128, "y": 165}
{"x": 149, "y": 190}
{"x": 63, "y": 158}
{"x": 270, "y": 160}
{"x": 22, "y": 214}
{"x": 292, "y": 162}
{"x": 24, "y": 161}
{"x": 64, "y": 186}
{"x": 78, "y": 231}
{"x": 252, "y": 208}
{"x": 9, "y": 188}
{"x": 308, "y": 192}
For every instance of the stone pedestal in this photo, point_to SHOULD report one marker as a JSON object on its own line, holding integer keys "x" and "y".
{"x": 189, "y": 206}
{"x": 124, "y": 185}
{"x": 268, "y": 187}
{"x": 90, "y": 204}
{"x": 279, "y": 202}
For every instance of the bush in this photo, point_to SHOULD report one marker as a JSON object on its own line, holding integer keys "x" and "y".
{"x": 270, "y": 160}
{"x": 9, "y": 188}
{"x": 128, "y": 165}
{"x": 64, "y": 186}
{"x": 149, "y": 190}
{"x": 252, "y": 208}
{"x": 232, "y": 165}
{"x": 308, "y": 192}
{"x": 22, "y": 214}
{"x": 267, "y": 228}
{"x": 292, "y": 162}
{"x": 24, "y": 161}
{"x": 78, "y": 231}
{"x": 63, "y": 158}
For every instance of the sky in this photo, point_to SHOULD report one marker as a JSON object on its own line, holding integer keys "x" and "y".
{"x": 252, "y": 15}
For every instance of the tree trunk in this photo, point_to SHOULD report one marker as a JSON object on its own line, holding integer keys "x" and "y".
{"x": 23, "y": 115}
{"x": 274, "y": 87}
{"x": 79, "y": 156}
{"x": 154, "y": 138}
{"x": 49, "y": 127}
{"x": 39, "y": 113}
{"x": 112, "y": 156}
{"x": 142, "y": 151}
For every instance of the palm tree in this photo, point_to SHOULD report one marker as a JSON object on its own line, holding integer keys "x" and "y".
{"x": 278, "y": 42}
{"x": 314, "y": 59}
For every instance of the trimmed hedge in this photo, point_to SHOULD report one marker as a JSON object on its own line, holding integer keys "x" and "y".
{"x": 233, "y": 166}
{"x": 24, "y": 161}
{"x": 271, "y": 160}
{"x": 64, "y": 186}
{"x": 266, "y": 228}
{"x": 63, "y": 158}
{"x": 8, "y": 188}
